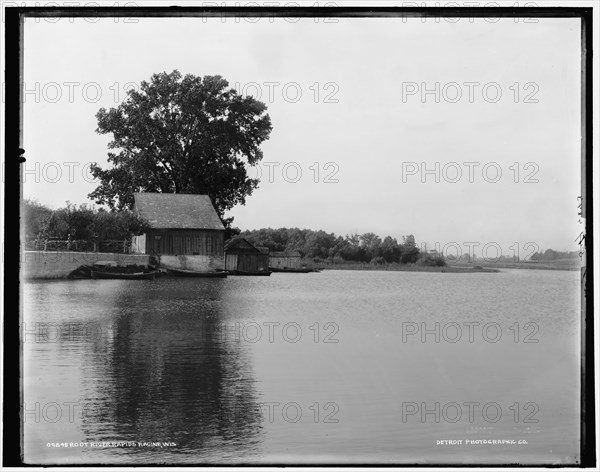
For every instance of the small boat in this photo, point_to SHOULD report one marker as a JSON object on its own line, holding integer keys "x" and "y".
{"x": 290, "y": 270}
{"x": 103, "y": 274}
{"x": 159, "y": 271}
{"x": 194, "y": 273}
{"x": 243, "y": 272}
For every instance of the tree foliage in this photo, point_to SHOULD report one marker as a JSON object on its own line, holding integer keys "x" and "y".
{"x": 320, "y": 245}
{"x": 182, "y": 134}
{"x": 36, "y": 218}
{"x": 80, "y": 223}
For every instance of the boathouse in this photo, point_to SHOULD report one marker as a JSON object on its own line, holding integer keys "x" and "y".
{"x": 285, "y": 260}
{"x": 242, "y": 256}
{"x": 186, "y": 231}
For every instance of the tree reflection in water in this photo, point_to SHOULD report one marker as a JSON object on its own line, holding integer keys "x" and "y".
{"x": 169, "y": 372}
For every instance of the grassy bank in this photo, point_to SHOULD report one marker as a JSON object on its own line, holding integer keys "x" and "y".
{"x": 398, "y": 267}
{"x": 561, "y": 264}
{"x": 479, "y": 266}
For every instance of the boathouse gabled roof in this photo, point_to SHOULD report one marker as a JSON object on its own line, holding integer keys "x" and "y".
{"x": 239, "y": 245}
{"x": 177, "y": 211}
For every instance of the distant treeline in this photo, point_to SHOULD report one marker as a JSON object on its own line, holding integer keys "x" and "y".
{"x": 552, "y": 255}
{"x": 79, "y": 223}
{"x": 320, "y": 245}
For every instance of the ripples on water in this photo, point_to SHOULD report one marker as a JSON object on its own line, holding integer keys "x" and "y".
{"x": 181, "y": 360}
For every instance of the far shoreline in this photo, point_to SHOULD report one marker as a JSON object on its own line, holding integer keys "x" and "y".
{"x": 464, "y": 268}
{"x": 403, "y": 268}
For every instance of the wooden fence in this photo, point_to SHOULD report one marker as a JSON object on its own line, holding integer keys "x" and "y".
{"x": 116, "y": 246}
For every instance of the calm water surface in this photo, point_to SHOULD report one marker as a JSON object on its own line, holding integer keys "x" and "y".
{"x": 317, "y": 368}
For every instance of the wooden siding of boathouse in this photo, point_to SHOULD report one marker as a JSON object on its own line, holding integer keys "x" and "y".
{"x": 285, "y": 260}
{"x": 179, "y": 241}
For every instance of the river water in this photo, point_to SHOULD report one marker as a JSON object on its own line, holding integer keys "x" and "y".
{"x": 332, "y": 367}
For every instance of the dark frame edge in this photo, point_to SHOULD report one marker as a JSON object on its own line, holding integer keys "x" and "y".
{"x": 12, "y": 452}
{"x": 588, "y": 394}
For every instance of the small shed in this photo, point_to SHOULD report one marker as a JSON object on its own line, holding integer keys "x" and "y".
{"x": 285, "y": 260}
{"x": 241, "y": 255}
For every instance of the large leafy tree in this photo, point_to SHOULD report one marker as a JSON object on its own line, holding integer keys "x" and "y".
{"x": 182, "y": 135}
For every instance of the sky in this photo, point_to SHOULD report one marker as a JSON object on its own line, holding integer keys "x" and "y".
{"x": 460, "y": 133}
